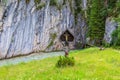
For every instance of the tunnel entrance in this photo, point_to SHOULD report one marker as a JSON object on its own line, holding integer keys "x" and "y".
{"x": 67, "y": 37}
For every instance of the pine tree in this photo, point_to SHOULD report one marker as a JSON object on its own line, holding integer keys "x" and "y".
{"x": 97, "y": 21}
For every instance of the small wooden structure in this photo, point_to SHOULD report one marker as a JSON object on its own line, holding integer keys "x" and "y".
{"x": 66, "y": 37}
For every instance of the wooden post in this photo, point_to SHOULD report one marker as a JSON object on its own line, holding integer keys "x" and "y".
{"x": 66, "y": 45}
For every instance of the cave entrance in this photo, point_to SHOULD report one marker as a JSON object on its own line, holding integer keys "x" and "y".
{"x": 67, "y": 37}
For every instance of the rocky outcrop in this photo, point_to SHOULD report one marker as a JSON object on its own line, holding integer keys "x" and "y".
{"x": 110, "y": 26}
{"x": 28, "y": 29}
{"x": 80, "y": 32}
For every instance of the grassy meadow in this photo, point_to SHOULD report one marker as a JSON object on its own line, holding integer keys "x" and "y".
{"x": 91, "y": 64}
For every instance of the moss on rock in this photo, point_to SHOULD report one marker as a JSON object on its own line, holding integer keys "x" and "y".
{"x": 53, "y": 36}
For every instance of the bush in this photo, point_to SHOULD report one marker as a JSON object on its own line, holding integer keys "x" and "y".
{"x": 53, "y": 3}
{"x": 116, "y": 47}
{"x": 105, "y": 44}
{"x": 65, "y": 61}
{"x": 37, "y": 2}
{"x": 40, "y": 6}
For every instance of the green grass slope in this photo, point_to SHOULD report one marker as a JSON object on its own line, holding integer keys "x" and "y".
{"x": 91, "y": 64}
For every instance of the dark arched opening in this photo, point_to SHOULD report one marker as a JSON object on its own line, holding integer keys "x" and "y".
{"x": 67, "y": 36}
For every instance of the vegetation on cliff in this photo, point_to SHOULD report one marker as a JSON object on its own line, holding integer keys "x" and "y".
{"x": 97, "y": 21}
{"x": 98, "y": 11}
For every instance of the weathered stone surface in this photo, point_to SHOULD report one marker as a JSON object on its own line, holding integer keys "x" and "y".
{"x": 1, "y": 17}
{"x": 27, "y": 30}
{"x": 1, "y": 12}
{"x": 110, "y": 26}
{"x": 1, "y": 28}
{"x": 80, "y": 32}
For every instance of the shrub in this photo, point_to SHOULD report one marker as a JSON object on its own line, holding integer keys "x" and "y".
{"x": 53, "y": 36}
{"x": 53, "y": 3}
{"x": 65, "y": 61}
{"x": 40, "y": 6}
{"x": 105, "y": 44}
{"x": 37, "y": 2}
{"x": 116, "y": 47}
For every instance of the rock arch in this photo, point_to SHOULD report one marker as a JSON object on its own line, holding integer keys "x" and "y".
{"x": 67, "y": 36}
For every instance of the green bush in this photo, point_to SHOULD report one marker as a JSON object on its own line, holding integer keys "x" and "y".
{"x": 40, "y": 6}
{"x": 116, "y": 47}
{"x": 65, "y": 61}
{"x": 96, "y": 22}
{"x": 37, "y": 2}
{"x": 105, "y": 44}
{"x": 53, "y": 3}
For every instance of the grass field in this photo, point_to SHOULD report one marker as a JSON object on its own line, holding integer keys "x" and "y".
{"x": 91, "y": 64}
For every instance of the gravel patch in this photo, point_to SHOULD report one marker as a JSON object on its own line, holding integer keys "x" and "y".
{"x": 35, "y": 56}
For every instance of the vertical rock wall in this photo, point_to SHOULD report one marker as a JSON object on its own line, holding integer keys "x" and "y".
{"x": 26, "y": 29}
{"x": 110, "y": 26}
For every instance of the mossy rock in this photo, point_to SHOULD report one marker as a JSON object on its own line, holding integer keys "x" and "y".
{"x": 53, "y": 36}
{"x": 40, "y": 6}
{"x": 37, "y": 2}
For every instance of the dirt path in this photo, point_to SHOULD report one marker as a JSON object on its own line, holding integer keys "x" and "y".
{"x": 35, "y": 56}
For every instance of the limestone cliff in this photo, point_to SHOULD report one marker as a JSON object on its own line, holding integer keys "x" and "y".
{"x": 27, "y": 27}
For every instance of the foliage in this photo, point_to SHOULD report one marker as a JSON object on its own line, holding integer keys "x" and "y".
{"x": 53, "y": 36}
{"x": 37, "y": 2}
{"x": 98, "y": 11}
{"x": 50, "y": 44}
{"x": 97, "y": 21}
{"x": 53, "y": 3}
{"x": 116, "y": 37}
{"x": 116, "y": 33}
{"x": 116, "y": 47}
{"x": 111, "y": 8}
{"x": 65, "y": 61}
{"x": 40, "y": 6}
{"x": 106, "y": 44}
{"x": 77, "y": 9}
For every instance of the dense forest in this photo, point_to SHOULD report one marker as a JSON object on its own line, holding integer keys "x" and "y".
{"x": 97, "y": 12}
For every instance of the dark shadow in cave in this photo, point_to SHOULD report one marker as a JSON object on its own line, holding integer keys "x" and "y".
{"x": 67, "y": 36}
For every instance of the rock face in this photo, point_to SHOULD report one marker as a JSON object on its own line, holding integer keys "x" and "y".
{"x": 26, "y": 29}
{"x": 1, "y": 15}
{"x": 110, "y": 26}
